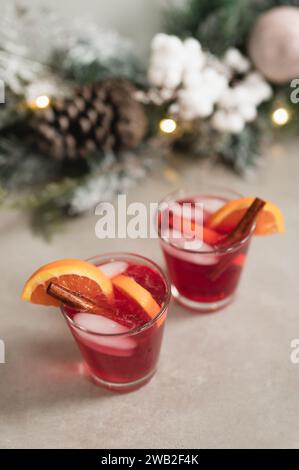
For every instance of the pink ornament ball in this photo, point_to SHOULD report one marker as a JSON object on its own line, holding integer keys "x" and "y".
{"x": 273, "y": 45}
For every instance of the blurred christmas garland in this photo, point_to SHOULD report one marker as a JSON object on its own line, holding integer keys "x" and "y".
{"x": 266, "y": 32}
{"x": 70, "y": 125}
{"x": 81, "y": 117}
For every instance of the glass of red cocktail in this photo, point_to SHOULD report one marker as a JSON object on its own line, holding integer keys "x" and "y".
{"x": 203, "y": 277}
{"x": 121, "y": 348}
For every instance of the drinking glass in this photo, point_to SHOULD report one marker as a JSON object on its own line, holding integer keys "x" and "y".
{"x": 125, "y": 360}
{"x": 204, "y": 279}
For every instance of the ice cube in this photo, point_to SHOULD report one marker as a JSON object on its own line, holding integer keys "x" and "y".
{"x": 181, "y": 249}
{"x": 100, "y": 325}
{"x": 176, "y": 238}
{"x": 211, "y": 204}
{"x": 187, "y": 210}
{"x": 114, "y": 268}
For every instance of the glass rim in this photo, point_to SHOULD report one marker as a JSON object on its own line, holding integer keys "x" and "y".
{"x": 136, "y": 329}
{"x": 219, "y": 251}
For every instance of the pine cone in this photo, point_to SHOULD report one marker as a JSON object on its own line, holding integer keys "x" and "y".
{"x": 102, "y": 116}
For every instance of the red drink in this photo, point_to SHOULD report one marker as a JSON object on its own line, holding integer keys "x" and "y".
{"x": 121, "y": 349}
{"x": 204, "y": 279}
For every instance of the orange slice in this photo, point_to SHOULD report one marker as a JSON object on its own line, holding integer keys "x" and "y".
{"x": 270, "y": 219}
{"x": 138, "y": 293}
{"x": 191, "y": 227}
{"x": 77, "y": 275}
{"x": 210, "y": 236}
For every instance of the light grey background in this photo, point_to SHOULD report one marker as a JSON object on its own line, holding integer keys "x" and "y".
{"x": 225, "y": 379}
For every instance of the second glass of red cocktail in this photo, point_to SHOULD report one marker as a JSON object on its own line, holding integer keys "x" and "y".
{"x": 204, "y": 277}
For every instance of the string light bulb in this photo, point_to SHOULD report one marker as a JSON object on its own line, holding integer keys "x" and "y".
{"x": 280, "y": 116}
{"x": 42, "y": 101}
{"x": 168, "y": 126}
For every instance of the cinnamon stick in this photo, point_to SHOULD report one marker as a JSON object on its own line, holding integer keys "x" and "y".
{"x": 244, "y": 226}
{"x": 241, "y": 230}
{"x": 76, "y": 300}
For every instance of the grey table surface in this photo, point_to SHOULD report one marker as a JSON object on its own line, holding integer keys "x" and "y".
{"x": 224, "y": 380}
